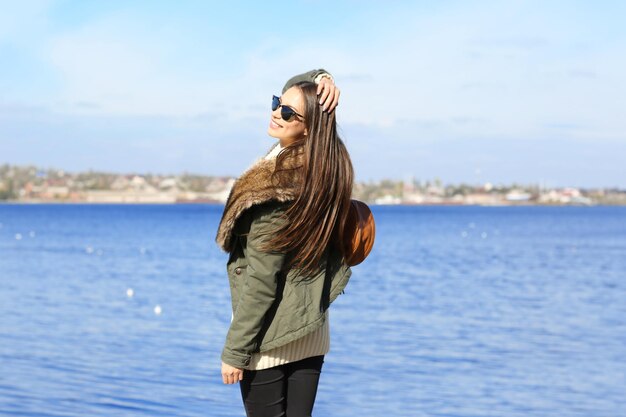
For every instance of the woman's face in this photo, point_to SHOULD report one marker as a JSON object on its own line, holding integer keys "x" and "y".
{"x": 295, "y": 128}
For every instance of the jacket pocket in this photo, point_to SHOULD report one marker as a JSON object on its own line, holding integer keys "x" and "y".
{"x": 236, "y": 270}
{"x": 340, "y": 281}
{"x": 294, "y": 301}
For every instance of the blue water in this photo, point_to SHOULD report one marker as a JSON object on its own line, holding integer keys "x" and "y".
{"x": 459, "y": 311}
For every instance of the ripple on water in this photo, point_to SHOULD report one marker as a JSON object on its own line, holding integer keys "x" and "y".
{"x": 459, "y": 311}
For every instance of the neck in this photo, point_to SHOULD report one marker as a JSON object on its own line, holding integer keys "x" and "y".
{"x": 289, "y": 141}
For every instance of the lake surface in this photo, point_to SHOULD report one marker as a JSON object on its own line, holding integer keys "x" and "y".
{"x": 458, "y": 311}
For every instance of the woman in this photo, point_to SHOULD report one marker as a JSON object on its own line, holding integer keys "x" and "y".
{"x": 282, "y": 224}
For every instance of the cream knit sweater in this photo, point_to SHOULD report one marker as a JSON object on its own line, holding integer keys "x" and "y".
{"x": 314, "y": 343}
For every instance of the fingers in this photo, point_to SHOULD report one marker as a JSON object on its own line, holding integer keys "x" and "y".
{"x": 332, "y": 100}
{"x": 231, "y": 375}
{"x": 329, "y": 98}
{"x": 335, "y": 101}
{"x": 230, "y": 378}
{"x": 325, "y": 94}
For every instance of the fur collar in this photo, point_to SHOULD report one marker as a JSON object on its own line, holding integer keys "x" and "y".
{"x": 254, "y": 186}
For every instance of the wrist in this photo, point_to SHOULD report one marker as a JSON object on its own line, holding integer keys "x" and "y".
{"x": 324, "y": 75}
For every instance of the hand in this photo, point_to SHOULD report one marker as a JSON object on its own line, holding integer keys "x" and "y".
{"x": 230, "y": 374}
{"x": 330, "y": 94}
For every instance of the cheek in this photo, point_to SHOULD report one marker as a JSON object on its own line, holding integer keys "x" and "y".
{"x": 297, "y": 130}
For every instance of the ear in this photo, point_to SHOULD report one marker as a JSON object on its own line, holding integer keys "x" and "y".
{"x": 305, "y": 131}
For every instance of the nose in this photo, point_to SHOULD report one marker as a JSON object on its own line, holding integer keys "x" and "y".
{"x": 276, "y": 113}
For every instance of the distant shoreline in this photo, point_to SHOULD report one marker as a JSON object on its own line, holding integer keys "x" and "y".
{"x": 194, "y": 202}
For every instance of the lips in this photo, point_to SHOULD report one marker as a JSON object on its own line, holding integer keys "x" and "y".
{"x": 274, "y": 125}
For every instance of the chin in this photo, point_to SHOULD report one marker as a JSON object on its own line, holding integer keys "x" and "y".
{"x": 272, "y": 134}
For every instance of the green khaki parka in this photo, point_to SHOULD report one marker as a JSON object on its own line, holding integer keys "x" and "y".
{"x": 271, "y": 308}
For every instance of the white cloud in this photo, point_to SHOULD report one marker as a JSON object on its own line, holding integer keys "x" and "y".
{"x": 501, "y": 66}
{"x": 479, "y": 85}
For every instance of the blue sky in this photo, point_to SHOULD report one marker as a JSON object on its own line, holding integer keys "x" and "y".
{"x": 472, "y": 91}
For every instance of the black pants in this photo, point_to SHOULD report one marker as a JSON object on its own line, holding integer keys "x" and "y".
{"x": 282, "y": 391}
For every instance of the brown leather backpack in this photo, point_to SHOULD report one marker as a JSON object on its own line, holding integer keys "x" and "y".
{"x": 360, "y": 231}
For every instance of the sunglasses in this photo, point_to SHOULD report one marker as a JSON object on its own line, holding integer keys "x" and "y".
{"x": 286, "y": 112}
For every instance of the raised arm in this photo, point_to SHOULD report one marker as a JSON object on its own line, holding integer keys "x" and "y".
{"x": 326, "y": 89}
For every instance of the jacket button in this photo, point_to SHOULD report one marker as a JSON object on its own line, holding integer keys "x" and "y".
{"x": 238, "y": 270}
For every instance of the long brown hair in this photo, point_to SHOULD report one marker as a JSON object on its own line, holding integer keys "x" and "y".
{"x": 317, "y": 216}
